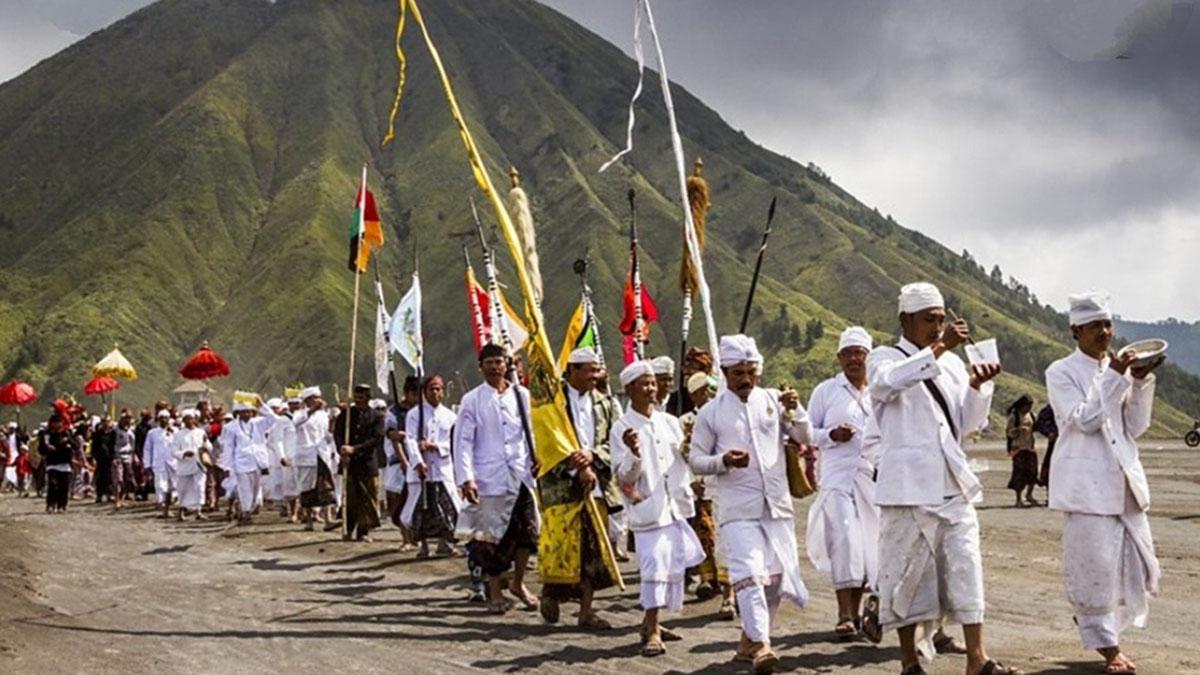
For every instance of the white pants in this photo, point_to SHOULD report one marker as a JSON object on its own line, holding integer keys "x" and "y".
{"x": 164, "y": 483}
{"x": 191, "y": 490}
{"x": 763, "y": 569}
{"x": 664, "y": 554}
{"x": 929, "y": 565}
{"x": 1110, "y": 571}
{"x": 616, "y": 530}
{"x": 249, "y": 491}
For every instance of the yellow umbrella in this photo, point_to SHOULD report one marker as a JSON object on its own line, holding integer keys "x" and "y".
{"x": 114, "y": 365}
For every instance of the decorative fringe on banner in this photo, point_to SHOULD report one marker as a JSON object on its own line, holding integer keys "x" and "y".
{"x": 554, "y": 433}
{"x": 518, "y": 205}
{"x": 692, "y": 243}
{"x": 391, "y": 131}
{"x": 698, "y": 202}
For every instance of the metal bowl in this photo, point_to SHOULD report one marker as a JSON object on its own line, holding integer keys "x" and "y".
{"x": 1146, "y": 350}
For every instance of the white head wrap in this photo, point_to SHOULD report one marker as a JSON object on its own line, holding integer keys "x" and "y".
{"x": 275, "y": 403}
{"x": 295, "y": 399}
{"x": 378, "y": 404}
{"x": 190, "y": 412}
{"x": 663, "y": 365}
{"x": 635, "y": 370}
{"x": 918, "y": 296}
{"x": 163, "y": 413}
{"x": 238, "y": 406}
{"x": 1089, "y": 307}
{"x": 309, "y": 391}
{"x": 855, "y": 336}
{"x": 583, "y": 355}
{"x": 737, "y": 349}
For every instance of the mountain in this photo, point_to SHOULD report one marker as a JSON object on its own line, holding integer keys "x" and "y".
{"x": 188, "y": 174}
{"x": 1183, "y": 337}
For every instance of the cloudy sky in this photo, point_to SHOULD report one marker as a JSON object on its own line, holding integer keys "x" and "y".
{"x": 1056, "y": 138}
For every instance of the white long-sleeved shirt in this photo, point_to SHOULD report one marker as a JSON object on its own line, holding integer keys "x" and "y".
{"x": 245, "y": 444}
{"x": 156, "y": 453}
{"x": 189, "y": 440}
{"x": 489, "y": 441}
{"x": 656, "y": 484}
{"x": 281, "y": 441}
{"x": 833, "y": 403}
{"x": 311, "y": 430}
{"x": 583, "y": 415}
{"x": 920, "y": 460}
{"x": 439, "y": 424}
{"x": 759, "y": 427}
{"x": 1099, "y": 414}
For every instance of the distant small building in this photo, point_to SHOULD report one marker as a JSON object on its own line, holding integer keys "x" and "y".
{"x": 191, "y": 392}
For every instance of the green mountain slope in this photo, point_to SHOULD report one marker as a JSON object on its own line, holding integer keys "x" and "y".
{"x": 189, "y": 172}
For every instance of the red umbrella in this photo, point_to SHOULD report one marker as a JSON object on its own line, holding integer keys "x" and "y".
{"x": 204, "y": 364}
{"x": 101, "y": 386}
{"x": 17, "y": 393}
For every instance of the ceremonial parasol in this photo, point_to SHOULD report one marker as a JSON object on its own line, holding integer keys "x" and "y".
{"x": 114, "y": 364}
{"x": 17, "y": 394}
{"x": 100, "y": 386}
{"x": 204, "y": 365}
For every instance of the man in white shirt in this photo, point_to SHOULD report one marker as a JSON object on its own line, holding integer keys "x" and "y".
{"x": 190, "y": 473}
{"x": 664, "y": 373}
{"x": 431, "y": 509}
{"x": 493, "y": 464}
{"x": 157, "y": 453}
{"x": 739, "y": 436}
{"x": 1102, "y": 403}
{"x": 315, "y": 460}
{"x": 656, "y": 488}
{"x": 244, "y": 440}
{"x": 277, "y": 457}
{"x": 843, "y": 522}
{"x": 286, "y": 430}
{"x": 925, "y": 402}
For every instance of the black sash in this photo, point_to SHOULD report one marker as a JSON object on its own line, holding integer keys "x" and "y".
{"x": 938, "y": 398}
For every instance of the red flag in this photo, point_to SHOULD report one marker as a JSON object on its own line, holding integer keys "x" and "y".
{"x": 477, "y": 300}
{"x": 649, "y": 311}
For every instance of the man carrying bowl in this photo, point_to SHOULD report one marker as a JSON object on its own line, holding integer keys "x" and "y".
{"x": 1102, "y": 402}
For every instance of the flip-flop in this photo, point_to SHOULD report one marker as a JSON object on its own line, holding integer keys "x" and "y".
{"x": 871, "y": 628}
{"x": 654, "y": 648}
{"x": 997, "y": 668}
{"x": 844, "y": 628}
{"x": 1120, "y": 665}
{"x": 726, "y": 610}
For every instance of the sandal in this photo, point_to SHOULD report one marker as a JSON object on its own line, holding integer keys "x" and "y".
{"x": 871, "y": 628}
{"x": 654, "y": 647}
{"x": 844, "y": 628}
{"x": 948, "y": 645}
{"x": 1120, "y": 665}
{"x": 498, "y": 607}
{"x": 997, "y": 668}
{"x": 727, "y": 609}
{"x": 531, "y": 603}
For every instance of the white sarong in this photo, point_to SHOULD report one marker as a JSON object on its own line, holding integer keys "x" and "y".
{"x": 1110, "y": 571}
{"x": 842, "y": 537}
{"x": 164, "y": 484}
{"x": 930, "y": 567}
{"x": 664, "y": 554}
{"x": 291, "y": 482}
{"x": 763, "y": 568}
{"x": 249, "y": 491}
{"x": 191, "y": 490}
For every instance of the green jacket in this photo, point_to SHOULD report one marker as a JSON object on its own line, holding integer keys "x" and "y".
{"x": 559, "y": 486}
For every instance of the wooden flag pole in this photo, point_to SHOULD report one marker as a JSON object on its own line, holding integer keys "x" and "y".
{"x": 353, "y": 343}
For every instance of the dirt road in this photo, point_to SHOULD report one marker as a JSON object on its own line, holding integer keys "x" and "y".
{"x": 95, "y": 592}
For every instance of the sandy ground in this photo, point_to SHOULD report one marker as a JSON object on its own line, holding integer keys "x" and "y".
{"x": 95, "y": 592}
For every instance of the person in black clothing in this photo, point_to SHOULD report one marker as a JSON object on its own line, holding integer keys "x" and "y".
{"x": 145, "y": 482}
{"x": 104, "y": 441}
{"x": 57, "y": 446}
{"x": 361, "y": 500}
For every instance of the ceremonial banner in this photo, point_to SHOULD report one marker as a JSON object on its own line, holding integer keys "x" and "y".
{"x": 382, "y": 320}
{"x": 581, "y": 332}
{"x": 405, "y": 331}
{"x": 366, "y": 234}
{"x": 552, "y": 430}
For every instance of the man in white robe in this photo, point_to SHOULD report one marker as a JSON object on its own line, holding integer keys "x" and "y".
{"x": 245, "y": 443}
{"x": 925, "y": 402}
{"x": 739, "y": 436}
{"x": 431, "y": 507}
{"x": 656, "y": 488}
{"x": 1102, "y": 403}
{"x": 315, "y": 460}
{"x": 157, "y": 454}
{"x": 290, "y": 481}
{"x": 843, "y": 522}
{"x": 190, "y": 474}
{"x": 277, "y": 458}
{"x": 493, "y": 464}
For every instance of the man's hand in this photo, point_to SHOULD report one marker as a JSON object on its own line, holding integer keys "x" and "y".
{"x": 1121, "y": 362}
{"x": 630, "y": 438}
{"x": 346, "y": 450}
{"x": 982, "y": 372}
{"x": 843, "y": 433}
{"x": 587, "y": 479}
{"x": 789, "y": 398}
{"x": 1140, "y": 372}
{"x": 698, "y": 489}
{"x": 470, "y": 493}
{"x": 284, "y": 461}
{"x": 581, "y": 459}
{"x": 956, "y": 334}
{"x": 429, "y": 446}
{"x": 736, "y": 459}
{"x": 396, "y": 436}
{"x": 188, "y": 453}
{"x": 422, "y": 472}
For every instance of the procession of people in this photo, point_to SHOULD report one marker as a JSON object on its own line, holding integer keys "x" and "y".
{"x": 705, "y": 499}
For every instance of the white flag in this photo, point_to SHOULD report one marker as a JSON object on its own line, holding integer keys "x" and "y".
{"x": 405, "y": 332}
{"x": 382, "y": 362}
